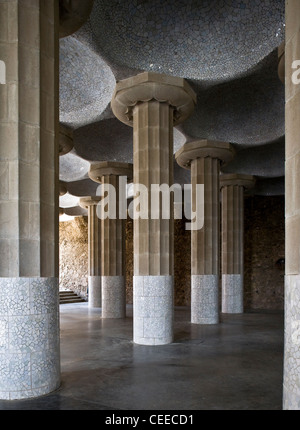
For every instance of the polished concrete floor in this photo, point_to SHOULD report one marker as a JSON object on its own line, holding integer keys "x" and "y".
{"x": 235, "y": 365}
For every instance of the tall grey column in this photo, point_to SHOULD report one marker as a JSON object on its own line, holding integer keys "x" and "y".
{"x": 153, "y": 104}
{"x": 291, "y": 382}
{"x": 232, "y": 248}
{"x": 94, "y": 251}
{"x": 204, "y": 158}
{"x": 108, "y": 174}
{"x": 29, "y": 193}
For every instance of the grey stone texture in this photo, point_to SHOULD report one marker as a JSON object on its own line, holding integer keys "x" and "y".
{"x": 165, "y": 42}
{"x": 94, "y": 291}
{"x": 153, "y": 308}
{"x": 29, "y": 337}
{"x": 205, "y": 299}
{"x": 97, "y": 87}
{"x": 291, "y": 391}
{"x": 113, "y": 297}
{"x": 232, "y": 294}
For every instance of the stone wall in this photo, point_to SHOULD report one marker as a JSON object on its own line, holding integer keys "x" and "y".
{"x": 73, "y": 255}
{"x": 264, "y": 246}
{"x": 182, "y": 264}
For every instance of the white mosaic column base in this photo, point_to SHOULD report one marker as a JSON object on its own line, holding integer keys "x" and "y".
{"x": 205, "y": 299}
{"x": 113, "y": 297}
{"x": 29, "y": 337}
{"x": 291, "y": 374}
{"x": 232, "y": 294}
{"x": 94, "y": 285}
{"x": 153, "y": 310}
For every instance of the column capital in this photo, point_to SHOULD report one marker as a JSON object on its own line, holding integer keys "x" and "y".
{"x": 231, "y": 179}
{"x": 85, "y": 202}
{"x": 66, "y": 143}
{"x": 204, "y": 148}
{"x": 148, "y": 86}
{"x": 107, "y": 168}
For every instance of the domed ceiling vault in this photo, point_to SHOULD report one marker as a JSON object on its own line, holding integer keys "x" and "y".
{"x": 226, "y": 49}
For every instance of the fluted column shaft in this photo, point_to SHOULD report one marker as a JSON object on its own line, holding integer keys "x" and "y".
{"x": 232, "y": 191}
{"x": 113, "y": 259}
{"x": 153, "y": 164}
{"x": 94, "y": 257}
{"x": 153, "y": 238}
{"x": 204, "y": 158}
{"x": 94, "y": 242}
{"x": 232, "y": 229}
{"x": 29, "y": 193}
{"x": 153, "y": 104}
{"x": 112, "y": 211}
{"x": 94, "y": 251}
{"x": 205, "y": 244}
{"x": 232, "y": 248}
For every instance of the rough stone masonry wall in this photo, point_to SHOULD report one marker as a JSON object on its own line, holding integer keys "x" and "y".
{"x": 264, "y": 246}
{"x": 73, "y": 255}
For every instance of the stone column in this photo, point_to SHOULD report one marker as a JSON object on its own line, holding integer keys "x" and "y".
{"x": 204, "y": 158}
{"x": 291, "y": 383}
{"x": 232, "y": 248}
{"x": 109, "y": 175}
{"x": 29, "y": 193}
{"x": 153, "y": 104}
{"x": 94, "y": 251}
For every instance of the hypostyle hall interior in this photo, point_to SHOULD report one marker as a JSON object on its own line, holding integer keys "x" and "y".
{"x": 117, "y": 306}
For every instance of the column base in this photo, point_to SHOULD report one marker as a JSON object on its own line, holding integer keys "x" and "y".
{"x": 29, "y": 337}
{"x": 204, "y": 299}
{"x": 113, "y": 297}
{"x": 291, "y": 381}
{"x": 153, "y": 310}
{"x": 232, "y": 294}
{"x": 94, "y": 285}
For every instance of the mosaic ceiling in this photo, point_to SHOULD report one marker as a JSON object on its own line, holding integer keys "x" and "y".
{"x": 226, "y": 49}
